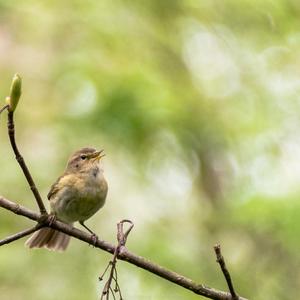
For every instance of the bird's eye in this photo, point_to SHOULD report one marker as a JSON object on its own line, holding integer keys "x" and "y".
{"x": 83, "y": 157}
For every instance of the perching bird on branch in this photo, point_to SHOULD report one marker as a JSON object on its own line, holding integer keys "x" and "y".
{"x": 75, "y": 196}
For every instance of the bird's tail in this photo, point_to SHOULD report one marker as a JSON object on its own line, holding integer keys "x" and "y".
{"x": 48, "y": 238}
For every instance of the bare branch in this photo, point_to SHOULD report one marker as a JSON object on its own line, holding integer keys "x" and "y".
{"x": 20, "y": 234}
{"x": 20, "y": 160}
{"x": 122, "y": 238}
{"x": 221, "y": 261}
{"x": 124, "y": 254}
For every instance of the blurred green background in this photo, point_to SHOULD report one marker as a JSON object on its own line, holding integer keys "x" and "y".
{"x": 197, "y": 106}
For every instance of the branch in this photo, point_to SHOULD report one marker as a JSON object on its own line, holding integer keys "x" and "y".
{"x": 113, "y": 275}
{"x": 124, "y": 254}
{"x": 221, "y": 261}
{"x": 20, "y": 160}
{"x": 20, "y": 234}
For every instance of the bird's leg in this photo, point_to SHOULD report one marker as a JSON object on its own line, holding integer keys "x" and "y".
{"x": 89, "y": 230}
{"x": 94, "y": 235}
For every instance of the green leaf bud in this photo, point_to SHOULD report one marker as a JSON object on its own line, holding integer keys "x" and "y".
{"x": 15, "y": 93}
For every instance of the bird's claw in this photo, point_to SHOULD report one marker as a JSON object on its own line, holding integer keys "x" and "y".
{"x": 51, "y": 219}
{"x": 94, "y": 239}
{"x": 47, "y": 219}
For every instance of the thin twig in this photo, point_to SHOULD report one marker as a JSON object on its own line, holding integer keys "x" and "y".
{"x": 113, "y": 294}
{"x": 102, "y": 275}
{"x": 4, "y": 108}
{"x": 221, "y": 261}
{"x": 122, "y": 238}
{"x": 124, "y": 254}
{"x": 112, "y": 264}
{"x": 20, "y": 160}
{"x": 20, "y": 234}
{"x": 115, "y": 278}
{"x": 117, "y": 286}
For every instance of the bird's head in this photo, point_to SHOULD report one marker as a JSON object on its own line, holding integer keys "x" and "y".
{"x": 84, "y": 160}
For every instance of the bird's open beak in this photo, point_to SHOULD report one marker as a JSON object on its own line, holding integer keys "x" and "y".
{"x": 97, "y": 155}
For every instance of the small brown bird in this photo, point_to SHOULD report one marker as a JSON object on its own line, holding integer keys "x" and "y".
{"x": 75, "y": 196}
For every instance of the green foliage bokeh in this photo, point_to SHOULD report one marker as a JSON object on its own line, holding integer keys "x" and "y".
{"x": 196, "y": 104}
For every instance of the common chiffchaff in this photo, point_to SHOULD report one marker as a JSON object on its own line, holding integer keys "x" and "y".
{"x": 75, "y": 196}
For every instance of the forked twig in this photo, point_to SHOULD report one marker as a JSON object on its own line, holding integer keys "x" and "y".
{"x": 113, "y": 275}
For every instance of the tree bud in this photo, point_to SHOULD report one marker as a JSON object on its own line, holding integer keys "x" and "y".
{"x": 15, "y": 93}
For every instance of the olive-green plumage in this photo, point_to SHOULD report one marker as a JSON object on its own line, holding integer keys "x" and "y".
{"x": 75, "y": 196}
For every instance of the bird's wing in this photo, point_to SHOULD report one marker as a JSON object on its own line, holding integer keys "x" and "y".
{"x": 54, "y": 188}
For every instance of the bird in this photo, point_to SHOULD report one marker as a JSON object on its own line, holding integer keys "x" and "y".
{"x": 74, "y": 197}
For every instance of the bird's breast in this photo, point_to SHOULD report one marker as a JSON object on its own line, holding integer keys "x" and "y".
{"x": 81, "y": 199}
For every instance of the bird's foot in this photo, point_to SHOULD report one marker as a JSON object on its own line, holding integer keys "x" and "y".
{"x": 51, "y": 219}
{"x": 94, "y": 239}
{"x": 47, "y": 219}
